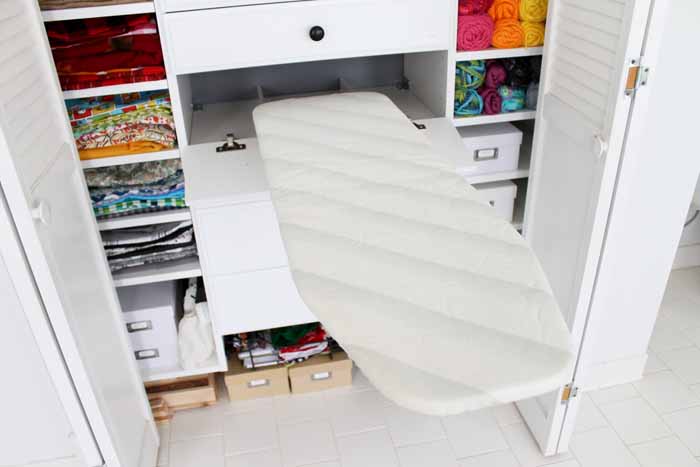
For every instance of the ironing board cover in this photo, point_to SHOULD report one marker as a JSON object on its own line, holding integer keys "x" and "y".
{"x": 440, "y": 302}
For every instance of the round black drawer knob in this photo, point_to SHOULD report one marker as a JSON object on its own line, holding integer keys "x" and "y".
{"x": 317, "y": 33}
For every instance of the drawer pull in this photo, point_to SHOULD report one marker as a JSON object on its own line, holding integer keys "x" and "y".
{"x": 489, "y": 154}
{"x": 257, "y": 383}
{"x": 320, "y": 376}
{"x": 317, "y": 33}
{"x": 146, "y": 354}
{"x": 138, "y": 326}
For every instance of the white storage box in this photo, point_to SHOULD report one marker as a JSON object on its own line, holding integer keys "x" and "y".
{"x": 149, "y": 313}
{"x": 500, "y": 195}
{"x": 489, "y": 149}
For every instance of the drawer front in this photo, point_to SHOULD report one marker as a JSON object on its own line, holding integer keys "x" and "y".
{"x": 257, "y": 300}
{"x": 240, "y": 238}
{"x": 225, "y": 38}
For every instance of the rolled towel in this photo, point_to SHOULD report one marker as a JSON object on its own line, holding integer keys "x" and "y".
{"x": 519, "y": 71}
{"x": 504, "y": 9}
{"x": 533, "y": 91}
{"x": 496, "y": 74}
{"x": 512, "y": 99}
{"x": 533, "y": 33}
{"x": 470, "y": 74}
{"x": 474, "y": 32}
{"x": 492, "y": 100}
{"x": 474, "y": 7}
{"x": 468, "y": 103}
{"x": 508, "y": 34}
{"x": 533, "y": 10}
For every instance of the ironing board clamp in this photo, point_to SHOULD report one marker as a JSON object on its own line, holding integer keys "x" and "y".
{"x": 230, "y": 144}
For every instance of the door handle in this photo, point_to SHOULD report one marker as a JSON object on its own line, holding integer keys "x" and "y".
{"x": 600, "y": 146}
{"x": 42, "y": 212}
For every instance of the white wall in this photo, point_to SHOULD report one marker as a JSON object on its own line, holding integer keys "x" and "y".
{"x": 689, "y": 251}
{"x": 34, "y": 428}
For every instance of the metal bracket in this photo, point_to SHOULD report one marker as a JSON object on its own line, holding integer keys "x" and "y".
{"x": 637, "y": 76}
{"x": 420, "y": 126}
{"x": 231, "y": 144}
{"x": 570, "y": 391}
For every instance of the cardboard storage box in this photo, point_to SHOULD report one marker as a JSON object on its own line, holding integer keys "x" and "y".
{"x": 489, "y": 149}
{"x": 321, "y": 372}
{"x": 243, "y": 383}
{"x": 500, "y": 195}
{"x": 183, "y": 393}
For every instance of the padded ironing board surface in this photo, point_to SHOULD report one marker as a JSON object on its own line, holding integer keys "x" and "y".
{"x": 439, "y": 301}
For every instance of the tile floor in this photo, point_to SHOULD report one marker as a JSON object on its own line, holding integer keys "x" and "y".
{"x": 654, "y": 422}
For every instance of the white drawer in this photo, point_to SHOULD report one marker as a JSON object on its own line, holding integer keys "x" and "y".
{"x": 257, "y": 300}
{"x": 224, "y": 38}
{"x": 240, "y": 238}
{"x": 183, "y": 5}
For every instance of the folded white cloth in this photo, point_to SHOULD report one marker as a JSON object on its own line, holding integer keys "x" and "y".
{"x": 439, "y": 301}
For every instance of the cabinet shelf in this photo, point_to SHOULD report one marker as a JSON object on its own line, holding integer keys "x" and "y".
{"x": 98, "y": 11}
{"x": 492, "y": 53}
{"x": 160, "y": 272}
{"x": 485, "y": 119}
{"x": 116, "y": 89}
{"x": 131, "y": 159}
{"x": 149, "y": 218}
{"x": 156, "y": 374}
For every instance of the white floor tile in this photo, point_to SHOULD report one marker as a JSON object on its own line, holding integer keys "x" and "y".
{"x": 635, "y": 421}
{"x": 199, "y": 452}
{"x": 601, "y": 448}
{"x": 668, "y": 452}
{"x": 250, "y": 432}
{"x": 666, "y": 392}
{"x": 686, "y": 425}
{"x": 251, "y": 405}
{"x": 269, "y": 458}
{"x": 434, "y": 454}
{"x": 197, "y": 423}
{"x": 300, "y": 408}
{"x": 667, "y": 336}
{"x": 507, "y": 414}
{"x": 369, "y": 448}
{"x": 307, "y": 443}
{"x": 526, "y": 449}
{"x": 492, "y": 459}
{"x": 693, "y": 334}
{"x": 619, "y": 393}
{"x": 654, "y": 364}
{"x": 684, "y": 314}
{"x": 355, "y": 412}
{"x": 695, "y": 389}
{"x": 408, "y": 427}
{"x": 571, "y": 463}
{"x": 685, "y": 363}
{"x": 588, "y": 417}
{"x": 474, "y": 433}
{"x": 164, "y": 447}
{"x": 325, "y": 464}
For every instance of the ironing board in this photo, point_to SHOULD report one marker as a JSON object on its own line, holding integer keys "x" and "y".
{"x": 440, "y": 302}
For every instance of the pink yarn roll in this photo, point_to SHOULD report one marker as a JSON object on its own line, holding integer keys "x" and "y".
{"x": 474, "y": 32}
{"x": 496, "y": 75}
{"x": 492, "y": 100}
{"x": 474, "y": 7}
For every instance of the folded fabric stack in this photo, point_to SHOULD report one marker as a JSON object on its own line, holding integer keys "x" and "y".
{"x": 123, "y": 124}
{"x": 106, "y": 51}
{"x": 496, "y": 86}
{"x": 136, "y": 188}
{"x": 128, "y": 248}
{"x": 63, "y": 4}
{"x": 503, "y": 24}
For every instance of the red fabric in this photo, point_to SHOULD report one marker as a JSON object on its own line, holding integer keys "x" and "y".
{"x": 76, "y": 31}
{"x": 474, "y": 32}
{"x": 73, "y": 81}
{"x": 110, "y": 61}
{"x": 142, "y": 43}
{"x": 474, "y": 7}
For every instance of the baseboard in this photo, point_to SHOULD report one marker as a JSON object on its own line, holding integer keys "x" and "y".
{"x": 613, "y": 373}
{"x": 687, "y": 256}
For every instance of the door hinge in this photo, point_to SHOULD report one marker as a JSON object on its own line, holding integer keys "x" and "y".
{"x": 637, "y": 76}
{"x": 570, "y": 391}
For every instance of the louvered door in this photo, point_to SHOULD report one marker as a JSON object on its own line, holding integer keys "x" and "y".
{"x": 581, "y": 123}
{"x": 41, "y": 177}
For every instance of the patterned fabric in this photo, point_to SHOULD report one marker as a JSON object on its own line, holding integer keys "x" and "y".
{"x": 128, "y": 133}
{"x": 154, "y": 258}
{"x": 157, "y": 115}
{"x": 139, "y": 206}
{"x": 171, "y": 187}
{"x": 61, "y": 4}
{"x": 84, "y": 111}
{"x": 141, "y": 235}
{"x": 132, "y": 174}
{"x": 84, "y": 80}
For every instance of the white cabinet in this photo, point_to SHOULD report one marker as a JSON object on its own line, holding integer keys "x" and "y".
{"x": 222, "y": 38}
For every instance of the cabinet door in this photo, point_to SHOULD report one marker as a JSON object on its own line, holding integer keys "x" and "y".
{"x": 45, "y": 190}
{"x": 581, "y": 123}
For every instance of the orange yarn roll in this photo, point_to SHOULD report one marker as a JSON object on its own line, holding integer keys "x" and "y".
{"x": 508, "y": 34}
{"x": 504, "y": 9}
{"x": 533, "y": 33}
{"x": 135, "y": 147}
